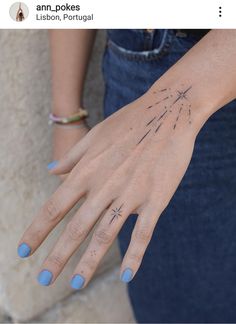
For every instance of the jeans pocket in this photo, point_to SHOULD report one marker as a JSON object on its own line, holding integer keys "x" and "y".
{"x": 184, "y": 44}
{"x": 144, "y": 55}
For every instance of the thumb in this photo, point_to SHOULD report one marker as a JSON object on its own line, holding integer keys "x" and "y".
{"x": 69, "y": 160}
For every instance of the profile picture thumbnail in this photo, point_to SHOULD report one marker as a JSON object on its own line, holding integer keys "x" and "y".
{"x": 19, "y": 11}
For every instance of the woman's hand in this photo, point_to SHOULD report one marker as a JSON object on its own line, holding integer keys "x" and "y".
{"x": 65, "y": 137}
{"x": 132, "y": 162}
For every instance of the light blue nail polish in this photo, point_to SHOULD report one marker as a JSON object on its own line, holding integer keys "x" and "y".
{"x": 23, "y": 250}
{"x": 127, "y": 275}
{"x": 77, "y": 281}
{"x": 45, "y": 277}
{"x": 52, "y": 164}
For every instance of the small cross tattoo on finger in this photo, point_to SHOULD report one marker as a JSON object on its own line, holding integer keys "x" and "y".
{"x": 116, "y": 213}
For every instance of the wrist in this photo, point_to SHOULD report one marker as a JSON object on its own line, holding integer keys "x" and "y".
{"x": 76, "y": 128}
{"x": 66, "y": 107}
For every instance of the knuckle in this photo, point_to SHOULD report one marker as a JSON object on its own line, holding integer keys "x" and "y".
{"x": 142, "y": 235}
{"x": 134, "y": 256}
{"x": 51, "y": 210}
{"x": 155, "y": 208}
{"x": 66, "y": 158}
{"x": 75, "y": 231}
{"x": 56, "y": 260}
{"x": 80, "y": 174}
{"x": 90, "y": 264}
{"x": 103, "y": 237}
{"x": 36, "y": 236}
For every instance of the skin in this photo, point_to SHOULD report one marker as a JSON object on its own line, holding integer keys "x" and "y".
{"x": 120, "y": 170}
{"x": 65, "y": 137}
{"x": 69, "y": 64}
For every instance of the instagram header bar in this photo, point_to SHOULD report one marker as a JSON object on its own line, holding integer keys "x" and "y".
{"x": 118, "y": 14}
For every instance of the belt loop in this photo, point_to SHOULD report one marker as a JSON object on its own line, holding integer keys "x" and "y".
{"x": 148, "y": 39}
{"x": 164, "y": 38}
{"x": 180, "y": 33}
{"x": 149, "y": 30}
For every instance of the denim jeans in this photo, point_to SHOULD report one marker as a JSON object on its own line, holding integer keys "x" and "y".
{"x": 188, "y": 273}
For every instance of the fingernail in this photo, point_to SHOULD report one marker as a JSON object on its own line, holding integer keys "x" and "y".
{"x": 23, "y": 250}
{"x": 45, "y": 277}
{"x": 127, "y": 275}
{"x": 77, "y": 281}
{"x": 52, "y": 164}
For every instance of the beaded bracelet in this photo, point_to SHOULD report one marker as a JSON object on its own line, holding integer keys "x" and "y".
{"x": 81, "y": 114}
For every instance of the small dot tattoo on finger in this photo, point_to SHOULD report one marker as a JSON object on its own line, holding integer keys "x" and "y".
{"x": 93, "y": 253}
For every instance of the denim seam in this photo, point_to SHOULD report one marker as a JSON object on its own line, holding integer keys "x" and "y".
{"x": 151, "y": 55}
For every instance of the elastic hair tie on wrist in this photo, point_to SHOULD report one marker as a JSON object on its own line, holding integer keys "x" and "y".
{"x": 81, "y": 114}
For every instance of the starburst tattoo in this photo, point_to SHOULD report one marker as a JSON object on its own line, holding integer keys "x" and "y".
{"x": 116, "y": 213}
{"x": 182, "y": 95}
{"x": 180, "y": 104}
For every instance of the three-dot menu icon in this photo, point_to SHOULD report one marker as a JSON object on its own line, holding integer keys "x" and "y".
{"x": 220, "y": 11}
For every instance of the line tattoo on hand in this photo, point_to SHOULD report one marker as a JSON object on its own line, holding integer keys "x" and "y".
{"x": 178, "y": 104}
{"x": 116, "y": 213}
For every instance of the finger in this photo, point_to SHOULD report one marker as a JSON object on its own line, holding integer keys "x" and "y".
{"x": 74, "y": 155}
{"x": 103, "y": 237}
{"x": 63, "y": 176}
{"x": 140, "y": 239}
{"x": 70, "y": 159}
{"x": 51, "y": 213}
{"x": 74, "y": 234}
